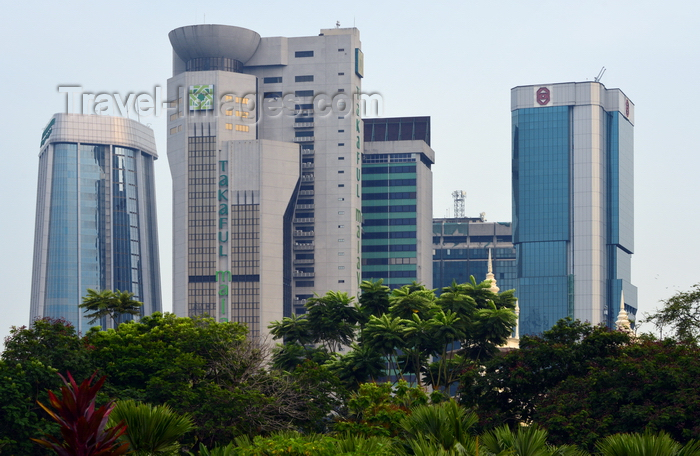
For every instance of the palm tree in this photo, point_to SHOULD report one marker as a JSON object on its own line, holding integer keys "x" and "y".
{"x": 350, "y": 443}
{"x": 292, "y": 329}
{"x": 332, "y": 319}
{"x": 646, "y": 444}
{"x": 525, "y": 441}
{"x": 125, "y": 304}
{"x": 151, "y": 430}
{"x": 419, "y": 344}
{"x": 109, "y": 303}
{"x": 456, "y": 299}
{"x": 409, "y": 300}
{"x": 374, "y": 299}
{"x": 359, "y": 365}
{"x": 446, "y": 331}
{"x": 385, "y": 334}
{"x": 445, "y": 428}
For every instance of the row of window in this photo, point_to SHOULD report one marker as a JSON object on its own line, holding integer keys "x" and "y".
{"x": 297, "y": 93}
{"x": 383, "y": 261}
{"x": 298, "y": 54}
{"x": 391, "y": 235}
{"x": 388, "y": 158}
{"x": 230, "y": 112}
{"x": 389, "y": 183}
{"x": 385, "y": 274}
{"x": 238, "y": 127}
{"x": 389, "y": 169}
{"x": 392, "y": 222}
{"x": 389, "y": 248}
{"x": 463, "y": 239}
{"x": 237, "y": 99}
{"x": 388, "y": 196}
{"x": 382, "y": 209}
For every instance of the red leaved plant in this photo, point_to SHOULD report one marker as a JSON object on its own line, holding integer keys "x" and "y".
{"x": 83, "y": 427}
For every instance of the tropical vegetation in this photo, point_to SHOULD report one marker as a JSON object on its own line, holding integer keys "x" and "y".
{"x": 402, "y": 372}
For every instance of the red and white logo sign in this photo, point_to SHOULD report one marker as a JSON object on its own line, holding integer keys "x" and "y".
{"x": 543, "y": 96}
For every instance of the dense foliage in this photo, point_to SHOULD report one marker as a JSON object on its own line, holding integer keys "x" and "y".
{"x": 354, "y": 379}
{"x": 408, "y": 333}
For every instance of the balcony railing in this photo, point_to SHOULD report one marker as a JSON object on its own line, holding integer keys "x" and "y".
{"x": 303, "y": 274}
{"x": 298, "y": 261}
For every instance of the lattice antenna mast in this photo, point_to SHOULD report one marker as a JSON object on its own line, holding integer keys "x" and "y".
{"x": 459, "y": 196}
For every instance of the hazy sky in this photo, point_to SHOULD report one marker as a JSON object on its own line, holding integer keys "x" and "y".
{"x": 453, "y": 61}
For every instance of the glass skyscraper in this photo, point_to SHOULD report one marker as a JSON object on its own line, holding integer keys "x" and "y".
{"x": 573, "y": 208}
{"x": 397, "y": 197}
{"x": 96, "y": 215}
{"x": 461, "y": 249}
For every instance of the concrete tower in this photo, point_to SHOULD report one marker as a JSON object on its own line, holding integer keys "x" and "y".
{"x": 265, "y": 142}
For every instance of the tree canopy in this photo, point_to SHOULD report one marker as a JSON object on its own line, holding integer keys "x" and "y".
{"x": 680, "y": 314}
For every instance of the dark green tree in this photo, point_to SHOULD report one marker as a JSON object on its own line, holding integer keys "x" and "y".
{"x": 292, "y": 329}
{"x": 645, "y": 385}
{"x": 374, "y": 299}
{"x": 509, "y": 388}
{"x": 211, "y": 371}
{"x": 28, "y": 366}
{"x": 332, "y": 319}
{"x": 412, "y": 299}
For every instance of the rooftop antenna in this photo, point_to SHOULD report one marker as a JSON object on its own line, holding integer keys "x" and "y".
{"x": 600, "y": 75}
{"x": 459, "y": 197}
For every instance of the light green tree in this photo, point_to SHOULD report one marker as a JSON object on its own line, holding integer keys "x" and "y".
{"x": 646, "y": 444}
{"x": 151, "y": 429}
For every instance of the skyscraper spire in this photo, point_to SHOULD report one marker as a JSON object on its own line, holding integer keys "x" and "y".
{"x": 491, "y": 277}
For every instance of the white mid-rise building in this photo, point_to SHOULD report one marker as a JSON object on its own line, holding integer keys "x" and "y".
{"x": 265, "y": 150}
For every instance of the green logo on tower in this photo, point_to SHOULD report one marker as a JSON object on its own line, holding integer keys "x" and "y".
{"x": 201, "y": 97}
{"x": 47, "y": 132}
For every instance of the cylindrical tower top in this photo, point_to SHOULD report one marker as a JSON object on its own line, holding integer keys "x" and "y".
{"x": 214, "y": 41}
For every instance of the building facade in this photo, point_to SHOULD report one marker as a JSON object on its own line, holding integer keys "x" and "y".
{"x": 573, "y": 208}
{"x": 296, "y": 102}
{"x": 96, "y": 216}
{"x": 397, "y": 201}
{"x": 461, "y": 249}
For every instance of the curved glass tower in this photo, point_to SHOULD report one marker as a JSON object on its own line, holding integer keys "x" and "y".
{"x": 96, "y": 215}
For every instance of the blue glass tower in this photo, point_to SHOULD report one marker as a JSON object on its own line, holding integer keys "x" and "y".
{"x": 96, "y": 215}
{"x": 573, "y": 208}
{"x": 461, "y": 249}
